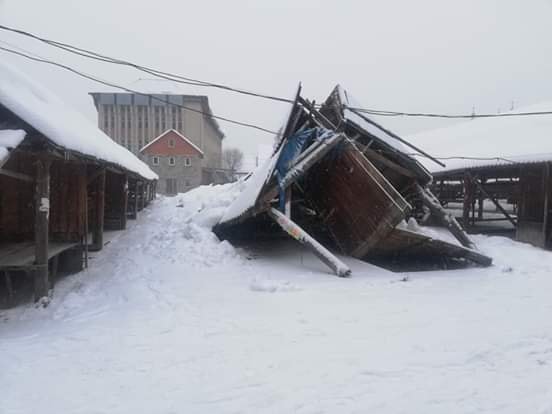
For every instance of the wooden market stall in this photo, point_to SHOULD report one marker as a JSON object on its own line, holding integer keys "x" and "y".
{"x": 62, "y": 182}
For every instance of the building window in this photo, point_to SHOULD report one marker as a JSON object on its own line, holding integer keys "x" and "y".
{"x": 171, "y": 143}
{"x": 172, "y": 161}
{"x": 187, "y": 162}
{"x": 155, "y": 160}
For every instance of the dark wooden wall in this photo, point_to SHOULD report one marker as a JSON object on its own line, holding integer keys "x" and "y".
{"x": 67, "y": 201}
{"x": 16, "y": 202}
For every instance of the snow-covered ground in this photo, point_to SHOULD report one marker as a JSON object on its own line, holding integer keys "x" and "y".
{"x": 169, "y": 320}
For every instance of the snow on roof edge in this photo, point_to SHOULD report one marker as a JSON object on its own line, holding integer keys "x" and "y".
{"x": 61, "y": 124}
{"x": 177, "y": 133}
{"x": 9, "y": 139}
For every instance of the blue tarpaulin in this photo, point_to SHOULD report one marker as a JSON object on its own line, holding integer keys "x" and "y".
{"x": 294, "y": 146}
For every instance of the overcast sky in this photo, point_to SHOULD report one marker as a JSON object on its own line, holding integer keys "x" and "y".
{"x": 425, "y": 55}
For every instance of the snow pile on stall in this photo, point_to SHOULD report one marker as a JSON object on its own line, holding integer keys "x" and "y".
{"x": 64, "y": 126}
{"x": 435, "y": 233}
{"x": 499, "y": 141}
{"x": 170, "y": 320}
{"x": 9, "y": 139}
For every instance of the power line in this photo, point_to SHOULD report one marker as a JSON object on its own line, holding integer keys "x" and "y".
{"x": 447, "y": 116}
{"x": 197, "y": 82}
{"x": 112, "y": 85}
{"x": 155, "y": 72}
{"x": 465, "y": 158}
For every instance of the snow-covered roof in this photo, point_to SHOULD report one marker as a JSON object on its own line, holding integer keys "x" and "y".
{"x": 178, "y": 134}
{"x": 494, "y": 141}
{"x": 61, "y": 124}
{"x": 9, "y": 139}
{"x": 253, "y": 185}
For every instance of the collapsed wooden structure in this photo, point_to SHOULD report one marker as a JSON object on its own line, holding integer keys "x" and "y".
{"x": 60, "y": 186}
{"x": 340, "y": 178}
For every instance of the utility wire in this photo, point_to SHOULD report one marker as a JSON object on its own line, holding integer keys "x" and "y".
{"x": 416, "y": 154}
{"x": 197, "y": 82}
{"x": 448, "y": 116}
{"x": 161, "y": 74}
{"x": 113, "y": 85}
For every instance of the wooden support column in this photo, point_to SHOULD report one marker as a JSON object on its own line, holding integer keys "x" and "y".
{"x": 134, "y": 201}
{"x": 468, "y": 195}
{"x": 9, "y": 288}
{"x": 339, "y": 268}
{"x": 140, "y": 194}
{"x": 288, "y": 202}
{"x": 124, "y": 202}
{"x": 546, "y": 189}
{"x": 42, "y": 215}
{"x": 99, "y": 203}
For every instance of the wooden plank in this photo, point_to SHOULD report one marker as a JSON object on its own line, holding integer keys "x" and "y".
{"x": 16, "y": 175}
{"x": 42, "y": 214}
{"x": 22, "y": 254}
{"x": 339, "y": 268}
{"x": 408, "y": 243}
{"x": 356, "y": 202}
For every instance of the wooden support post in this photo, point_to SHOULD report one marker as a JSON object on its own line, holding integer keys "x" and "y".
{"x": 467, "y": 201}
{"x": 545, "y": 222}
{"x": 42, "y": 214}
{"x": 134, "y": 206}
{"x": 140, "y": 193}
{"x": 9, "y": 288}
{"x": 99, "y": 203}
{"x": 339, "y": 268}
{"x": 288, "y": 202}
{"x": 124, "y": 202}
{"x": 84, "y": 184}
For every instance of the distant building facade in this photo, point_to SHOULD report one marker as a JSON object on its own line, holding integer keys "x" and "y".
{"x": 135, "y": 120}
{"x": 176, "y": 160}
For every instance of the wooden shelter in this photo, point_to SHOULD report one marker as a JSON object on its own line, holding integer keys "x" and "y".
{"x": 62, "y": 182}
{"x": 520, "y": 193}
{"x": 339, "y": 180}
{"x": 497, "y": 173}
